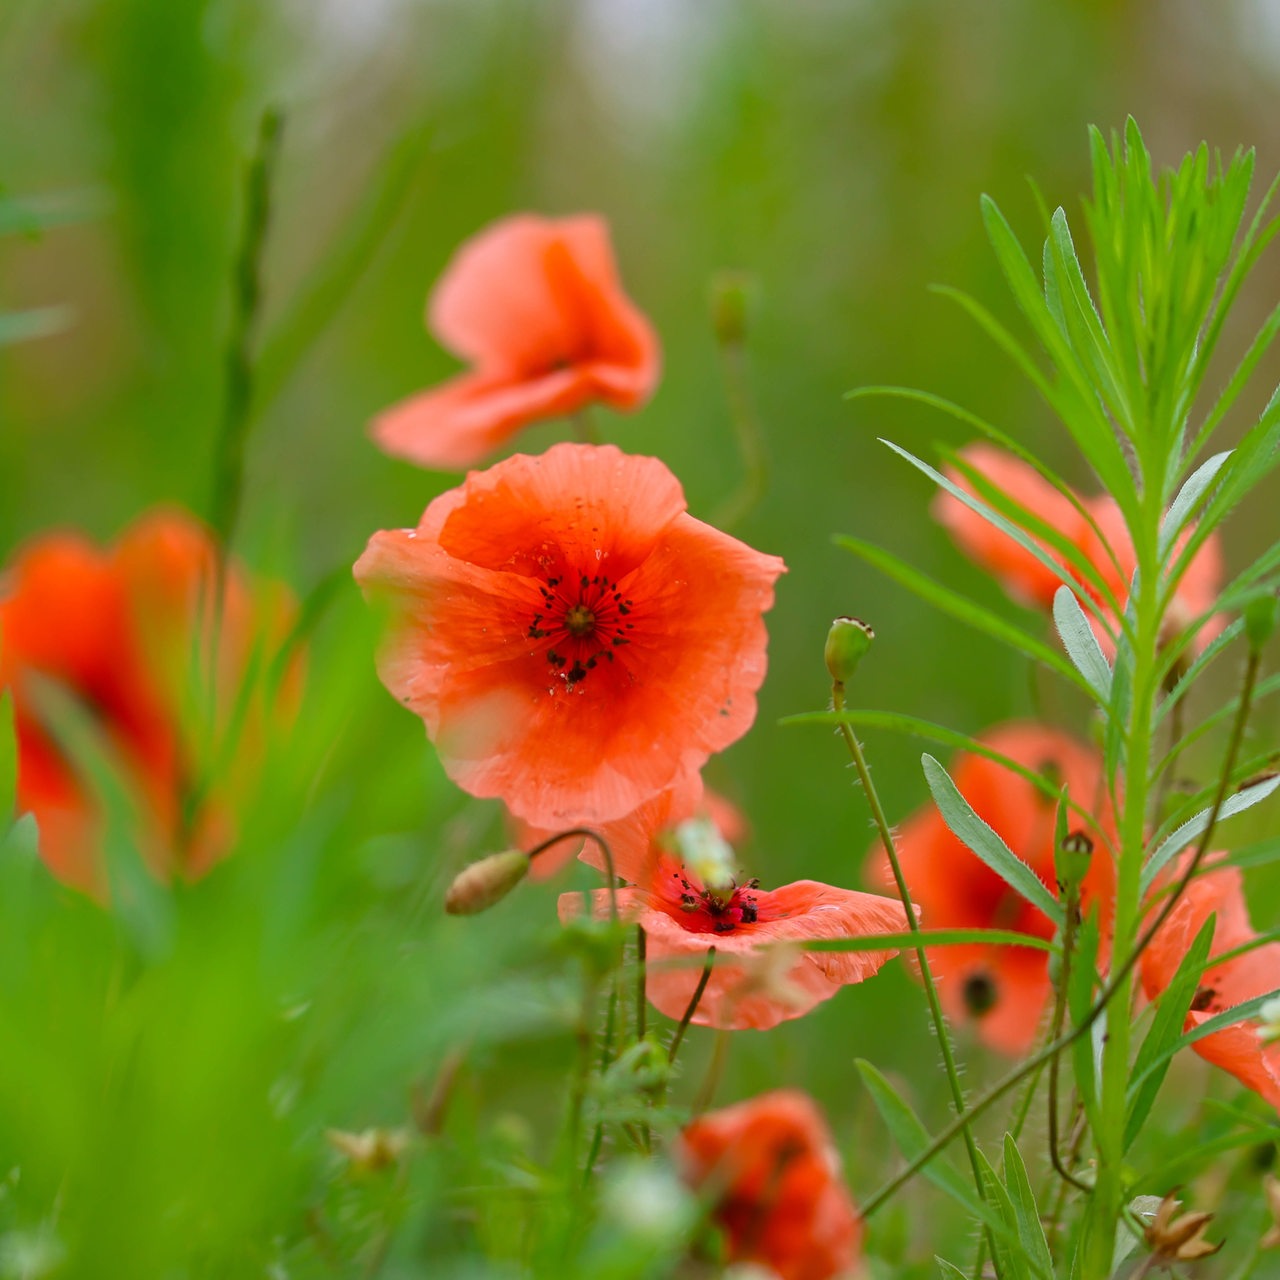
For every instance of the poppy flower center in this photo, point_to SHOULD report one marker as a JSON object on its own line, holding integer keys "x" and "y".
{"x": 584, "y": 620}
{"x": 698, "y": 910}
{"x": 980, "y": 994}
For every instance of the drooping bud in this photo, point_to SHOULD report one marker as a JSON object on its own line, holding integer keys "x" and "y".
{"x": 847, "y": 642}
{"x": 706, "y": 853}
{"x": 477, "y": 887}
{"x": 731, "y": 296}
{"x": 1071, "y": 862}
{"x": 1260, "y": 618}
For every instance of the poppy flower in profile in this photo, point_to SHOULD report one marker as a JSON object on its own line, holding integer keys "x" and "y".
{"x": 1238, "y": 1049}
{"x": 573, "y": 639}
{"x": 127, "y": 632}
{"x": 1003, "y": 990}
{"x": 771, "y": 1175}
{"x": 535, "y": 305}
{"x": 1108, "y": 547}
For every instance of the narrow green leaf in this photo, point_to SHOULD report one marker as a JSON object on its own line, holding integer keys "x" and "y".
{"x": 1011, "y": 1260}
{"x": 1192, "y": 673}
{"x": 1081, "y": 985}
{"x": 987, "y": 512}
{"x": 1193, "y": 827}
{"x": 977, "y": 836}
{"x": 960, "y": 607}
{"x": 949, "y": 1269}
{"x": 1189, "y": 495}
{"x": 1081, "y": 644}
{"x": 1030, "y": 1229}
{"x": 1166, "y": 1028}
{"x": 930, "y": 938}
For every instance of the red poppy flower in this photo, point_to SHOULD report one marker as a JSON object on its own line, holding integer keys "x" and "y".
{"x": 1004, "y": 989}
{"x": 772, "y": 1175}
{"x": 1238, "y": 1049}
{"x": 574, "y": 640}
{"x": 1029, "y": 581}
{"x": 764, "y": 983}
{"x": 536, "y": 306}
{"x": 120, "y": 630}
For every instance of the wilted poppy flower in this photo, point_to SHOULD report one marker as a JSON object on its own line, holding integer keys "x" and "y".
{"x": 1031, "y": 582}
{"x": 1238, "y": 1049}
{"x": 536, "y": 306}
{"x": 1003, "y": 989}
{"x": 771, "y": 1174}
{"x": 128, "y": 632}
{"x": 574, "y": 640}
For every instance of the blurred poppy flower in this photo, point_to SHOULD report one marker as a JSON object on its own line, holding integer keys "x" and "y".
{"x": 1003, "y": 989}
{"x": 574, "y": 641}
{"x": 1239, "y": 1049}
{"x": 536, "y": 306}
{"x": 128, "y": 632}
{"x": 1108, "y": 547}
{"x": 771, "y": 1174}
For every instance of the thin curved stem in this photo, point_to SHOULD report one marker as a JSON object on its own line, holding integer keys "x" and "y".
{"x": 913, "y": 924}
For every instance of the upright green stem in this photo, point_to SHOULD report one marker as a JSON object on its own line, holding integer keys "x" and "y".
{"x": 746, "y": 425}
{"x": 913, "y": 924}
{"x": 228, "y": 472}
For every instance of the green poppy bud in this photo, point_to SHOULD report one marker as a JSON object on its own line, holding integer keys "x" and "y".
{"x": 1071, "y": 862}
{"x": 477, "y": 887}
{"x": 847, "y": 641}
{"x": 1260, "y": 618}
{"x": 730, "y": 306}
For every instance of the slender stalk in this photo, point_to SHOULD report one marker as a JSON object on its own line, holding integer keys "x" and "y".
{"x": 586, "y": 833}
{"x": 913, "y": 924}
{"x": 1118, "y": 982}
{"x": 692, "y": 1007}
{"x": 228, "y": 470}
{"x": 1059, "y": 1014}
{"x": 746, "y": 425}
{"x": 641, "y": 957}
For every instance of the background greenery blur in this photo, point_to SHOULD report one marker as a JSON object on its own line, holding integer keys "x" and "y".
{"x": 835, "y": 151}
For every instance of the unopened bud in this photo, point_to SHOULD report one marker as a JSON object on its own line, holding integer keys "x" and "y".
{"x": 731, "y": 297}
{"x": 1260, "y": 618}
{"x": 847, "y": 641}
{"x": 1071, "y": 861}
{"x": 477, "y": 887}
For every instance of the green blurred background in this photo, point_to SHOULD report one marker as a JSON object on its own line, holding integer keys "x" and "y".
{"x": 834, "y": 151}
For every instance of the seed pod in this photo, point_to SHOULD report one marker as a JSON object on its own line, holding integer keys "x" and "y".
{"x": 847, "y": 641}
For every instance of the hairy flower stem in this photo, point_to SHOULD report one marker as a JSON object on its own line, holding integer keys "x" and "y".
{"x": 922, "y": 957}
{"x": 691, "y": 1008}
{"x": 1118, "y": 982}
